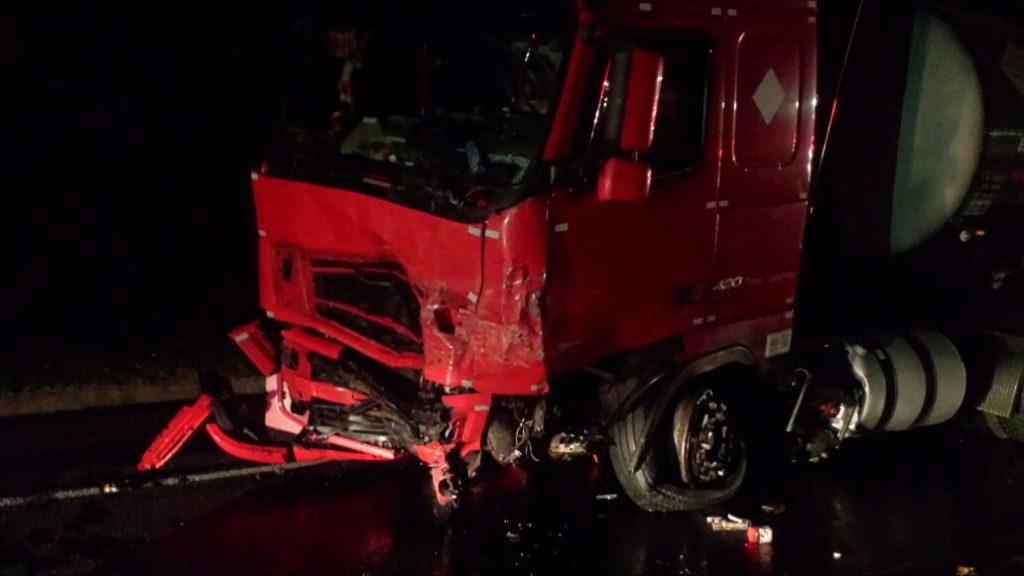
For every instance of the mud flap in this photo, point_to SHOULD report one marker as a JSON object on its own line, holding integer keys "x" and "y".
{"x": 173, "y": 437}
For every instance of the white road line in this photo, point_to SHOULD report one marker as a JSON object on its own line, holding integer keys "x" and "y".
{"x": 114, "y": 488}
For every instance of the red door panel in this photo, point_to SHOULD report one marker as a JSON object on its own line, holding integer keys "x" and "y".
{"x": 771, "y": 94}
{"x": 765, "y": 180}
{"x": 623, "y": 275}
{"x": 757, "y": 262}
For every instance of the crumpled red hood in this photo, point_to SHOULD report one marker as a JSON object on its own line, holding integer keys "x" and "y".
{"x": 486, "y": 278}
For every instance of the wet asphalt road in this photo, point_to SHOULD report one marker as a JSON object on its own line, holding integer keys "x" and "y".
{"x": 920, "y": 502}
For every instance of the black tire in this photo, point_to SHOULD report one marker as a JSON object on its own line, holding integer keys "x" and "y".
{"x": 641, "y": 486}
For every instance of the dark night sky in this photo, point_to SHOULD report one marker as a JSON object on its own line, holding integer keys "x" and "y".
{"x": 128, "y": 135}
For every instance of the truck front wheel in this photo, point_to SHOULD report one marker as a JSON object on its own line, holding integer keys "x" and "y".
{"x": 697, "y": 460}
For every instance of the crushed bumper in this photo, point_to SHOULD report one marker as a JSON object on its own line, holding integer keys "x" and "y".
{"x": 173, "y": 437}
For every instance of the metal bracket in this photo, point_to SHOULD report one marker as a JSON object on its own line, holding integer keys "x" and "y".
{"x": 278, "y": 454}
{"x": 806, "y": 377}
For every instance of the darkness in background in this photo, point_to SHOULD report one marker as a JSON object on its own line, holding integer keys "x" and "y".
{"x": 128, "y": 133}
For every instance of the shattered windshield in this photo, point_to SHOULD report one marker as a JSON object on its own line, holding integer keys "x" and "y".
{"x": 457, "y": 92}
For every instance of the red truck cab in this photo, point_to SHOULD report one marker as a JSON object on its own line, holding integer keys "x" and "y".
{"x": 468, "y": 207}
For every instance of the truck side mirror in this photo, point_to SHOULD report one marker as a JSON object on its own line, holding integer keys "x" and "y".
{"x": 634, "y": 83}
{"x": 623, "y": 180}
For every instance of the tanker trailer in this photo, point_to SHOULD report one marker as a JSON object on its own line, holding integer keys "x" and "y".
{"x": 918, "y": 216}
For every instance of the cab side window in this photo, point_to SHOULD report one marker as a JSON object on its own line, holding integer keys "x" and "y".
{"x": 680, "y": 128}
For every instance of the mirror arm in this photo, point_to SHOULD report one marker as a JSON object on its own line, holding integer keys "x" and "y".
{"x": 573, "y": 173}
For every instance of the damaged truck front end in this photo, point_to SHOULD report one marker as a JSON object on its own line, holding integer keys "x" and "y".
{"x": 402, "y": 241}
{"x": 486, "y": 223}
{"x": 395, "y": 336}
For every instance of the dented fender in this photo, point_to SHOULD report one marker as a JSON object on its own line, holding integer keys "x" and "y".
{"x": 494, "y": 342}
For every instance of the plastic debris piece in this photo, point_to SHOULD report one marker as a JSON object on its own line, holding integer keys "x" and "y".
{"x": 759, "y": 535}
{"x": 611, "y": 496}
{"x": 726, "y": 523}
{"x": 837, "y": 555}
{"x": 773, "y": 508}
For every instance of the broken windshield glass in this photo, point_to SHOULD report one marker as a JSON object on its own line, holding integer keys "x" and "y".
{"x": 457, "y": 92}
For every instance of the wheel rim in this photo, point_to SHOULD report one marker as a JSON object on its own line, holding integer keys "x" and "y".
{"x": 705, "y": 439}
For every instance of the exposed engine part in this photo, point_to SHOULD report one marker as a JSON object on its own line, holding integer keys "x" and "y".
{"x": 917, "y": 379}
{"x": 500, "y": 439}
{"x": 448, "y": 486}
{"x": 568, "y": 445}
{"x": 704, "y": 438}
{"x": 524, "y": 446}
{"x": 365, "y": 422}
{"x": 1002, "y": 399}
{"x": 512, "y": 425}
{"x": 416, "y": 414}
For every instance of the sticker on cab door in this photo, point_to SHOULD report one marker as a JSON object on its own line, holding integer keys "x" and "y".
{"x": 778, "y": 343}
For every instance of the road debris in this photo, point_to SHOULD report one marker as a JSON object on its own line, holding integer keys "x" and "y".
{"x": 759, "y": 535}
{"x": 773, "y": 508}
{"x": 966, "y": 571}
{"x": 837, "y": 555}
{"x": 611, "y": 496}
{"x": 727, "y": 523}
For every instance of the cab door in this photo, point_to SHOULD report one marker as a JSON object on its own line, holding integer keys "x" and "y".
{"x": 770, "y": 49}
{"x": 623, "y": 275}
